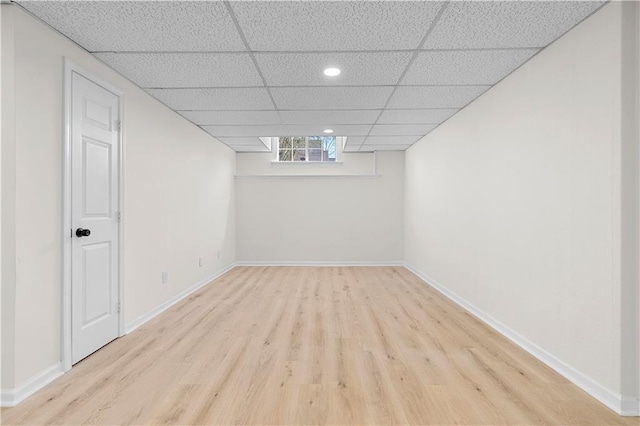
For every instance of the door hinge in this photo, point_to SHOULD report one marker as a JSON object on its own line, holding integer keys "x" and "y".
{"x": 118, "y": 125}
{"x": 119, "y": 217}
{"x": 119, "y": 307}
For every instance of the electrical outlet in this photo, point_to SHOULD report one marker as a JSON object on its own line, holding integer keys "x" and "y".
{"x": 200, "y": 261}
{"x": 218, "y": 254}
{"x": 165, "y": 277}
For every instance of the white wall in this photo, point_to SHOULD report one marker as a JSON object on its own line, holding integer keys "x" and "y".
{"x": 638, "y": 202}
{"x": 514, "y": 204}
{"x": 179, "y": 189}
{"x": 7, "y": 211}
{"x": 261, "y": 164}
{"x": 346, "y": 213}
{"x": 630, "y": 198}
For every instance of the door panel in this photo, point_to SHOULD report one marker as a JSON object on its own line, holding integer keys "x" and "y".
{"x": 94, "y": 207}
{"x": 95, "y": 286}
{"x": 97, "y": 178}
{"x": 97, "y": 114}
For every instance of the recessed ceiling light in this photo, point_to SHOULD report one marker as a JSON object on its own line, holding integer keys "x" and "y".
{"x": 328, "y": 131}
{"x": 331, "y": 72}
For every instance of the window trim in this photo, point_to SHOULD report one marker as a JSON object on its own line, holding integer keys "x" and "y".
{"x": 276, "y": 151}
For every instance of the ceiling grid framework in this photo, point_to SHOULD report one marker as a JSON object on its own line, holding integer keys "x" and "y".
{"x": 263, "y": 132}
{"x": 369, "y": 139}
{"x": 245, "y": 69}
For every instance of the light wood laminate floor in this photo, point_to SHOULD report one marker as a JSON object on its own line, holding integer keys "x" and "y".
{"x": 313, "y": 345}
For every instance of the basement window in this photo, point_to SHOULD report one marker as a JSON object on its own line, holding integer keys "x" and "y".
{"x": 310, "y": 149}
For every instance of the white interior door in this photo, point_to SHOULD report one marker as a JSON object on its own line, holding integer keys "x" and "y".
{"x": 94, "y": 217}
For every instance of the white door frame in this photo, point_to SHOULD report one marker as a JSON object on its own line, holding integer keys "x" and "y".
{"x": 69, "y": 68}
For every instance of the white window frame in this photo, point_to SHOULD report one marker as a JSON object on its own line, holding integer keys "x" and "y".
{"x": 275, "y": 141}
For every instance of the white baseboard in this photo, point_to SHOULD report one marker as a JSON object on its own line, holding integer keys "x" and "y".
{"x": 624, "y": 406}
{"x": 614, "y": 401}
{"x": 12, "y": 397}
{"x": 630, "y": 406}
{"x": 132, "y": 325}
{"x": 316, "y": 263}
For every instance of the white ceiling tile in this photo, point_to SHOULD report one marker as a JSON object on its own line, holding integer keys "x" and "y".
{"x": 142, "y": 25}
{"x": 307, "y": 69}
{"x": 492, "y": 24}
{"x": 249, "y": 148}
{"x": 328, "y": 25}
{"x": 395, "y": 147}
{"x": 185, "y": 69}
{"x": 245, "y": 144}
{"x": 243, "y": 140}
{"x": 391, "y": 140}
{"x": 339, "y": 130}
{"x": 465, "y": 66}
{"x": 311, "y": 98}
{"x": 353, "y": 143}
{"x": 416, "y": 97}
{"x": 230, "y": 118}
{"x": 333, "y": 117}
{"x": 214, "y": 99}
{"x": 290, "y": 130}
{"x": 415, "y": 116}
{"x": 401, "y": 129}
{"x": 237, "y": 131}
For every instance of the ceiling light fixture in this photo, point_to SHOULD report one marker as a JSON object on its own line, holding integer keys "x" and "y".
{"x": 328, "y": 130}
{"x": 331, "y": 72}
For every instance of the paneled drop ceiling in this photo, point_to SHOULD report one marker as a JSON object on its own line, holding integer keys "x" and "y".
{"x": 241, "y": 70}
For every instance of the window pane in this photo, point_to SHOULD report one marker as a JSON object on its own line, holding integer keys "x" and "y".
{"x": 318, "y": 148}
{"x": 299, "y": 142}
{"x": 315, "y": 142}
{"x": 284, "y": 155}
{"x": 315, "y": 155}
{"x": 285, "y": 142}
{"x": 298, "y": 155}
{"x": 329, "y": 149}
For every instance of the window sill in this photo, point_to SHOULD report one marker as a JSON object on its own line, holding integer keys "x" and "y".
{"x": 307, "y": 162}
{"x": 289, "y": 176}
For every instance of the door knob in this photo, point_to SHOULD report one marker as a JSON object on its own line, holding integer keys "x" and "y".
{"x": 82, "y": 232}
